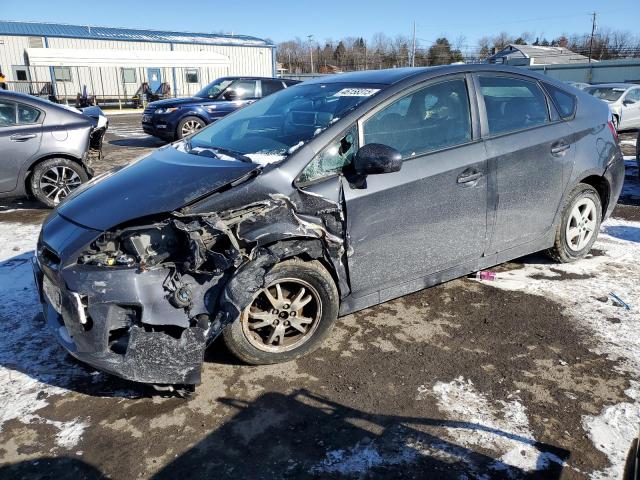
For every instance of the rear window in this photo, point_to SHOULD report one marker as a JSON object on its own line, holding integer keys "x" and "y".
{"x": 564, "y": 101}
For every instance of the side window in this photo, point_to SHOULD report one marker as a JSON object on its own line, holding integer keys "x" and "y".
{"x": 27, "y": 114}
{"x": 565, "y": 102}
{"x": 271, "y": 86}
{"x": 513, "y": 104}
{"x": 332, "y": 160}
{"x": 244, "y": 89}
{"x": 434, "y": 117}
{"x": 634, "y": 95}
{"x": 7, "y": 114}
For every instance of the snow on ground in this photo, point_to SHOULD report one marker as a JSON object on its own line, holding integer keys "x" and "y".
{"x": 585, "y": 288}
{"x": 504, "y": 431}
{"x": 32, "y": 367}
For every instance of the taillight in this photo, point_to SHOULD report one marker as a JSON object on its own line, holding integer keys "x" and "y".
{"x": 614, "y": 132}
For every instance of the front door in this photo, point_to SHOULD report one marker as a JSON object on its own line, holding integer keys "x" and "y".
{"x": 431, "y": 215}
{"x": 154, "y": 76}
{"x": 531, "y": 155}
{"x": 20, "y": 136}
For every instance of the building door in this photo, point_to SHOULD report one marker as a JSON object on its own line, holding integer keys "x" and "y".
{"x": 154, "y": 76}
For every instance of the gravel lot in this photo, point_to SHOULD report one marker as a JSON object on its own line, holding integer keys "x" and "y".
{"x": 533, "y": 375}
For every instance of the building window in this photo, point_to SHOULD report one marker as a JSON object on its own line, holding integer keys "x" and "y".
{"x": 36, "y": 42}
{"x": 192, "y": 75}
{"x": 129, "y": 75}
{"x": 62, "y": 74}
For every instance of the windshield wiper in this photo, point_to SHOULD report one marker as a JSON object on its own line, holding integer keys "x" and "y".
{"x": 215, "y": 152}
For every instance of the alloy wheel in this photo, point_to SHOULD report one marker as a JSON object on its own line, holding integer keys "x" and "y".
{"x": 58, "y": 182}
{"x": 189, "y": 127}
{"x": 581, "y": 225}
{"x": 282, "y": 316}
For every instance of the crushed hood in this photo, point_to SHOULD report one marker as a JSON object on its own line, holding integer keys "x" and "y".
{"x": 162, "y": 182}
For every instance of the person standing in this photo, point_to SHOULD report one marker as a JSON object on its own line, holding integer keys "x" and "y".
{"x": 3, "y": 81}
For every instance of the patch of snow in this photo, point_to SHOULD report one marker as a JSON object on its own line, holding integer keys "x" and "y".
{"x": 613, "y": 431}
{"x": 33, "y": 367}
{"x": 506, "y": 431}
{"x": 70, "y": 433}
{"x": 265, "y": 158}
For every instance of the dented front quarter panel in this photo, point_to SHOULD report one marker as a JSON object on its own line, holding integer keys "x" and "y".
{"x": 265, "y": 218}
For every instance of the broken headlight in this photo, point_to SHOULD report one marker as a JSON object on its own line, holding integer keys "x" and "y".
{"x": 147, "y": 245}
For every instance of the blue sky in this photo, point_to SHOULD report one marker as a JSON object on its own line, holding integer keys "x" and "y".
{"x": 282, "y": 20}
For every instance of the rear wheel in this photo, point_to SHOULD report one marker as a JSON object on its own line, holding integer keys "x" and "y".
{"x": 54, "y": 179}
{"x": 288, "y": 318}
{"x": 189, "y": 125}
{"x": 579, "y": 225}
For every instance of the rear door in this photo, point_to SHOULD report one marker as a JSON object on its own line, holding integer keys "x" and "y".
{"x": 20, "y": 136}
{"x": 270, "y": 86}
{"x": 529, "y": 148}
{"x": 431, "y": 215}
{"x": 631, "y": 110}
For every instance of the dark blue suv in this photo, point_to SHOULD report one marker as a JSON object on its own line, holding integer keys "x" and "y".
{"x": 176, "y": 118}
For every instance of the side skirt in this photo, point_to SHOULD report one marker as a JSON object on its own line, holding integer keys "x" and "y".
{"x": 350, "y": 304}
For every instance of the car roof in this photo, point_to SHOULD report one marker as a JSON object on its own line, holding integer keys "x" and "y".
{"x": 16, "y": 96}
{"x": 394, "y": 75}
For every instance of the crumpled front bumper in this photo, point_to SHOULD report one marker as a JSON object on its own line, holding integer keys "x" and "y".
{"x": 101, "y": 323}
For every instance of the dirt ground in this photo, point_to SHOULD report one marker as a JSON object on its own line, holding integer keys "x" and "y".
{"x": 533, "y": 375}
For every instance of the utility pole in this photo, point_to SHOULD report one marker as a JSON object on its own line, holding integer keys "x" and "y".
{"x": 593, "y": 31}
{"x": 310, "y": 37}
{"x": 413, "y": 46}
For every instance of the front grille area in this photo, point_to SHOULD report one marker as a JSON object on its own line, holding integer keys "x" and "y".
{"x": 149, "y": 110}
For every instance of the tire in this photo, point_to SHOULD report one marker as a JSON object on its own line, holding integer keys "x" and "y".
{"x": 632, "y": 463}
{"x": 582, "y": 212}
{"x": 55, "y": 178}
{"x": 189, "y": 125}
{"x": 251, "y": 344}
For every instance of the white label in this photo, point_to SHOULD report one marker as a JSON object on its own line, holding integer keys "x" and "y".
{"x": 356, "y": 92}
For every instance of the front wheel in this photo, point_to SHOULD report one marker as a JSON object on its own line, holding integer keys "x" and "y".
{"x": 579, "y": 225}
{"x": 288, "y": 318}
{"x": 189, "y": 125}
{"x": 54, "y": 179}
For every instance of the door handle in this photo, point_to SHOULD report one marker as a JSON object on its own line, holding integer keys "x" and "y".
{"x": 21, "y": 137}
{"x": 560, "y": 148}
{"x": 469, "y": 176}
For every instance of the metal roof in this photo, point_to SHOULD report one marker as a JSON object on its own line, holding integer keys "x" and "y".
{"x": 41, "y": 29}
{"x": 540, "y": 54}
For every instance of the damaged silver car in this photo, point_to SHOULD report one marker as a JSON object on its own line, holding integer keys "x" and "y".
{"x": 323, "y": 199}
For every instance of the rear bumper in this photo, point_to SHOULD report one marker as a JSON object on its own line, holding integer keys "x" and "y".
{"x": 615, "y": 176}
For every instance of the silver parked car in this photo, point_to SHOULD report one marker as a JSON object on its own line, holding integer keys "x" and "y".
{"x": 623, "y": 100}
{"x": 46, "y": 149}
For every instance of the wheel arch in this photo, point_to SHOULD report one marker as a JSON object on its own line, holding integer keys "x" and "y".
{"x": 195, "y": 114}
{"x": 306, "y": 249}
{"x": 601, "y": 185}
{"x": 29, "y": 170}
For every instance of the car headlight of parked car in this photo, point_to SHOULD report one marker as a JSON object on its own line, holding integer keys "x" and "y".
{"x": 165, "y": 110}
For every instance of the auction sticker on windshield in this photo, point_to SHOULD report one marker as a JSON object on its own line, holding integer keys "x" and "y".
{"x": 356, "y": 92}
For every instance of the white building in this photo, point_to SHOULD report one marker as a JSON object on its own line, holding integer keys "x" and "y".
{"x": 112, "y": 63}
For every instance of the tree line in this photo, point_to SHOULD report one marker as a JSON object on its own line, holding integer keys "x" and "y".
{"x": 382, "y": 51}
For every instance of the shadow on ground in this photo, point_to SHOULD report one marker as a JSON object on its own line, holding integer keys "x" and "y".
{"x": 304, "y": 435}
{"x": 138, "y": 142}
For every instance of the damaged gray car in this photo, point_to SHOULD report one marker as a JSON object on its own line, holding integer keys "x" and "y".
{"x": 323, "y": 199}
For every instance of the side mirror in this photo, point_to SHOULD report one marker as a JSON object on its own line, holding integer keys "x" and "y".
{"x": 628, "y": 102}
{"x": 376, "y": 158}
